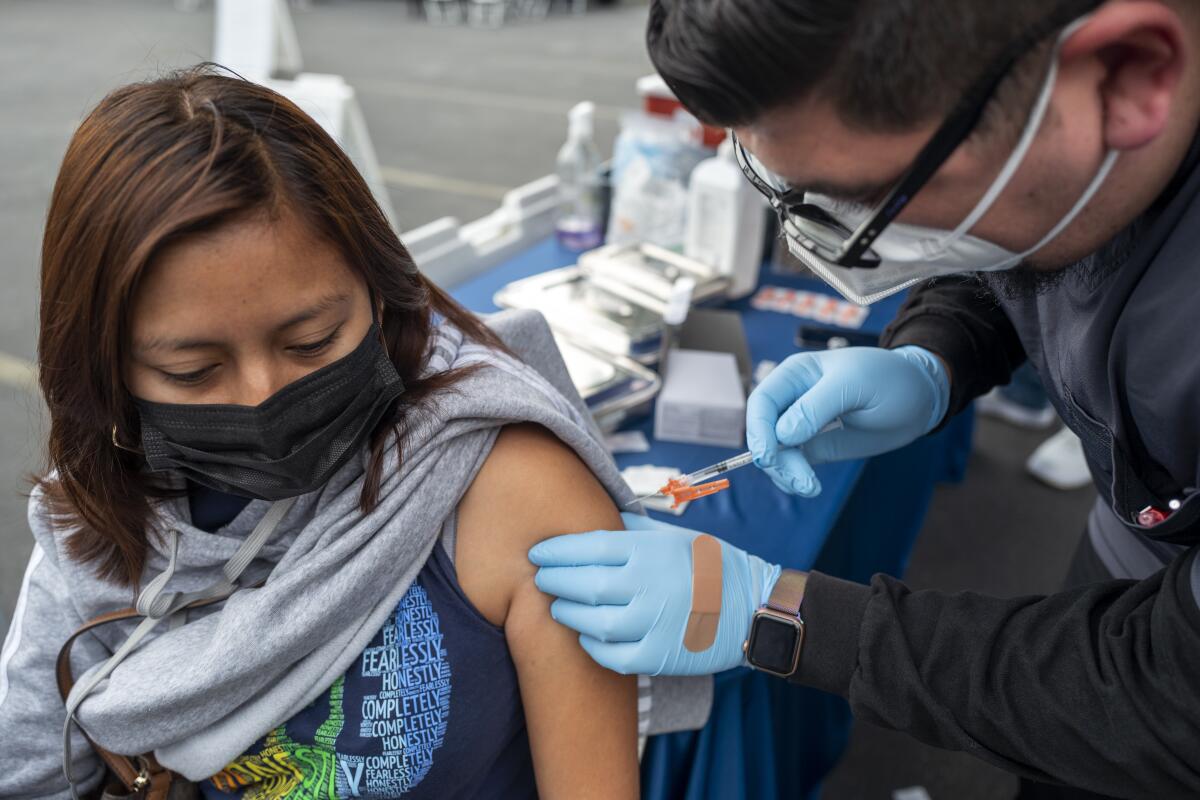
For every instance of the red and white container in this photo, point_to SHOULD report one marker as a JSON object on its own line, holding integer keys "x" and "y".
{"x": 658, "y": 99}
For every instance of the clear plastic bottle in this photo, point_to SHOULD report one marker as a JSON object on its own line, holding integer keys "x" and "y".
{"x": 726, "y": 221}
{"x": 580, "y": 217}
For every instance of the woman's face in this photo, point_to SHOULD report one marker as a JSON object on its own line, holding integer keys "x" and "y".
{"x": 234, "y": 315}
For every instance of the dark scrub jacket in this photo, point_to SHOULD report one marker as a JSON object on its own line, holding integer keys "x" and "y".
{"x": 1096, "y": 687}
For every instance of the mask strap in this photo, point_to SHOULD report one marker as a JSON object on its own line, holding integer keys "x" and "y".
{"x": 376, "y": 305}
{"x": 1032, "y": 127}
{"x": 1109, "y": 161}
{"x": 117, "y": 444}
{"x": 377, "y": 321}
{"x": 1016, "y": 159}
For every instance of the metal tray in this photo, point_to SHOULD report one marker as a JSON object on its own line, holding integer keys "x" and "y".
{"x": 587, "y": 313}
{"x": 614, "y": 388}
{"x": 646, "y": 273}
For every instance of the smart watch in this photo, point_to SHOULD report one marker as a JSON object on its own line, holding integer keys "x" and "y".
{"x": 777, "y": 631}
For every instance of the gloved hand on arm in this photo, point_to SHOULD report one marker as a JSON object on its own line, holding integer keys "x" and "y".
{"x": 630, "y": 595}
{"x": 884, "y": 399}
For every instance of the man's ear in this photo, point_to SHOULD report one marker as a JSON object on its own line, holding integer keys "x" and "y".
{"x": 1143, "y": 49}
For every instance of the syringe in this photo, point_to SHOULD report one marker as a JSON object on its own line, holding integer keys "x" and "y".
{"x": 674, "y": 486}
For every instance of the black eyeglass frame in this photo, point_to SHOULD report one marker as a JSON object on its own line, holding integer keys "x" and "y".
{"x": 855, "y": 251}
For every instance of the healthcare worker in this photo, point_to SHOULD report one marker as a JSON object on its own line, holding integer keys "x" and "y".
{"x": 1032, "y": 170}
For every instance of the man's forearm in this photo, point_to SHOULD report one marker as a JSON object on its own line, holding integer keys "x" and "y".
{"x": 1095, "y": 687}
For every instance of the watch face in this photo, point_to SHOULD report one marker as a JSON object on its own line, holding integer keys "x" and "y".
{"x": 773, "y": 644}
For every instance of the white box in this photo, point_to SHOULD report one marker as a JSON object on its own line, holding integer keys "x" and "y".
{"x": 702, "y": 401}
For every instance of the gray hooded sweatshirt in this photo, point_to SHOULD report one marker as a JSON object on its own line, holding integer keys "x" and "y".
{"x": 198, "y": 694}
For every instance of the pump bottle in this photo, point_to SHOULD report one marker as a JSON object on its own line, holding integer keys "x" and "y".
{"x": 580, "y": 220}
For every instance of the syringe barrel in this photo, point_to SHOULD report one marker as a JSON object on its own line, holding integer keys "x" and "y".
{"x": 719, "y": 468}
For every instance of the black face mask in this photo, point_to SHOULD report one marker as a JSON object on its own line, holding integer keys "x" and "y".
{"x": 289, "y": 444}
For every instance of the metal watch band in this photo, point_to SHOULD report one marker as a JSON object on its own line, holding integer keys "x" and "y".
{"x": 788, "y": 592}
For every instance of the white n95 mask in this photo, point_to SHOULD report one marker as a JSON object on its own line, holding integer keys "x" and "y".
{"x": 909, "y": 254}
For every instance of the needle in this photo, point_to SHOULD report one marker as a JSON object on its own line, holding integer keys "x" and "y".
{"x": 644, "y": 498}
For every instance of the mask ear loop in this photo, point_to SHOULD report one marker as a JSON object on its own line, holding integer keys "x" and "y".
{"x": 1036, "y": 117}
{"x": 377, "y": 307}
{"x": 120, "y": 446}
{"x": 383, "y": 341}
{"x": 1110, "y": 160}
{"x": 1032, "y": 127}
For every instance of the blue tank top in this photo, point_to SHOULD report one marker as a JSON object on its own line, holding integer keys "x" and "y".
{"x": 431, "y": 709}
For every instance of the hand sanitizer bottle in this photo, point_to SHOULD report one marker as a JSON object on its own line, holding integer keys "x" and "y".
{"x": 580, "y": 218}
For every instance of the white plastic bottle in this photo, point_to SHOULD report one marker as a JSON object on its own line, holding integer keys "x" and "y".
{"x": 725, "y": 222}
{"x": 580, "y": 218}
{"x": 678, "y": 306}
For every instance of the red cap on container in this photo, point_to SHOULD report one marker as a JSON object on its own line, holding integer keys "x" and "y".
{"x": 658, "y": 99}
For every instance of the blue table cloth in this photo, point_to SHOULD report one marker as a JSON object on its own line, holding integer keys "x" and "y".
{"x": 765, "y": 738}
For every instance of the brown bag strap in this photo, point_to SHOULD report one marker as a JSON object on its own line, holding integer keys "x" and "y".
{"x": 141, "y": 773}
{"x": 130, "y": 774}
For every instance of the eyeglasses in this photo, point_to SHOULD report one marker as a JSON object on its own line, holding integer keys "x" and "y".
{"x": 815, "y": 229}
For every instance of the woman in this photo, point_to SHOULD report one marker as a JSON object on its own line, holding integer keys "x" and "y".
{"x": 256, "y": 399}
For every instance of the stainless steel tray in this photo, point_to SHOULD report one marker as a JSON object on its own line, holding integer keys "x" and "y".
{"x": 615, "y": 388}
{"x": 589, "y": 314}
{"x": 646, "y": 273}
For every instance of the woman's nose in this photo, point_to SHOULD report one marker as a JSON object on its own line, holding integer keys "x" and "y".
{"x": 260, "y": 381}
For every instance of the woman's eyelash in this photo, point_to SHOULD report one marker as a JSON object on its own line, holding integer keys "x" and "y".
{"x": 310, "y": 349}
{"x": 188, "y": 377}
{"x": 316, "y": 347}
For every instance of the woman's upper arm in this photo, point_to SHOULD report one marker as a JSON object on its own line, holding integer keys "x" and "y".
{"x": 582, "y": 719}
{"x": 31, "y": 711}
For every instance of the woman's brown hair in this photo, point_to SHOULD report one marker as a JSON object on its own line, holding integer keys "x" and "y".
{"x": 154, "y": 162}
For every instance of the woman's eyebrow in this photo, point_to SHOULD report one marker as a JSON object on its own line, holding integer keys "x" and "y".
{"x": 316, "y": 309}
{"x": 162, "y": 343}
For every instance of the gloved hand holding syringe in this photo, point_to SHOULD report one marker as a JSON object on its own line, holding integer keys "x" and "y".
{"x": 873, "y": 401}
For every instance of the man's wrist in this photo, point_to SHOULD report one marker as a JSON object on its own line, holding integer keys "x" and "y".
{"x": 934, "y": 368}
{"x": 770, "y": 576}
{"x": 765, "y": 576}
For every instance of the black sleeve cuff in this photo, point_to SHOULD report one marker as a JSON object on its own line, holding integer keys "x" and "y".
{"x": 832, "y": 612}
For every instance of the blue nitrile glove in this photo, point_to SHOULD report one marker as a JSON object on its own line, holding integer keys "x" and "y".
{"x": 884, "y": 399}
{"x": 629, "y": 593}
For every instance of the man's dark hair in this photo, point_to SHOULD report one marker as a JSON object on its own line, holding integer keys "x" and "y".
{"x": 885, "y": 64}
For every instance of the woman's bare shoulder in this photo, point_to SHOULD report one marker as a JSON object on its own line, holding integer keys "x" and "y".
{"x": 531, "y": 487}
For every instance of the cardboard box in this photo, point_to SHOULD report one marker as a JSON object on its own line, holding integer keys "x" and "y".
{"x": 702, "y": 400}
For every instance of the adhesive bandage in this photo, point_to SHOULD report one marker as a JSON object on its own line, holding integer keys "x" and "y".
{"x": 705, "y": 615}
